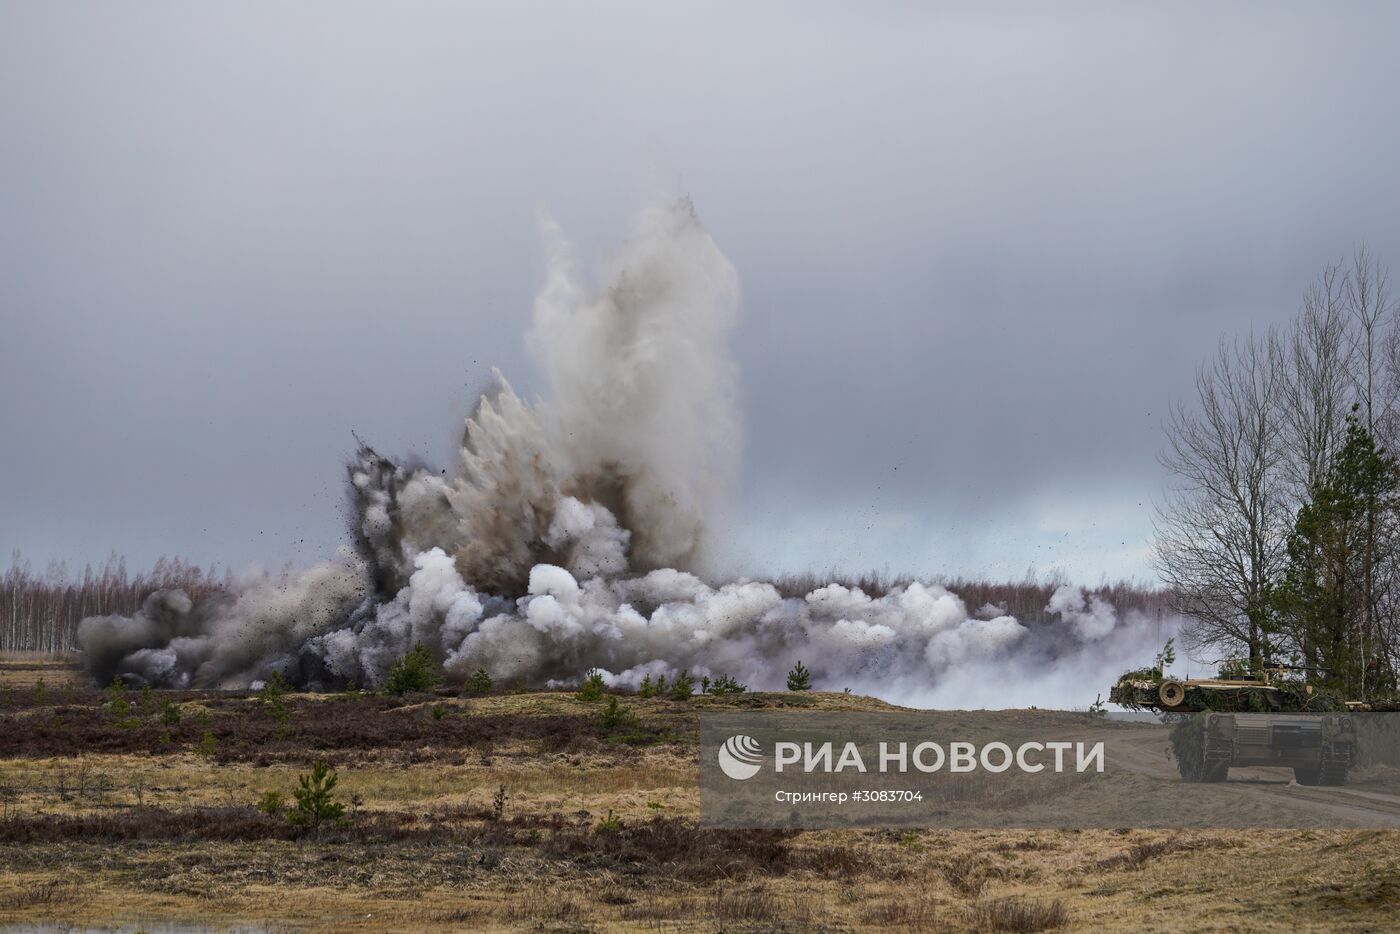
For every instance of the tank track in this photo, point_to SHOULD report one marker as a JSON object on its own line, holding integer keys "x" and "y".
{"x": 1214, "y": 762}
{"x": 1332, "y": 768}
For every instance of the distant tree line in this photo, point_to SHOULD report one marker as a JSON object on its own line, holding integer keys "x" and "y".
{"x": 40, "y": 611}
{"x": 1279, "y": 538}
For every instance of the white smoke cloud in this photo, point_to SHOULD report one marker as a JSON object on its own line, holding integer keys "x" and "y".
{"x": 1091, "y": 615}
{"x": 571, "y": 534}
{"x": 642, "y": 388}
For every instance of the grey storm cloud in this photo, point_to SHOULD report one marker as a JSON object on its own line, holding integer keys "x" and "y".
{"x": 979, "y": 247}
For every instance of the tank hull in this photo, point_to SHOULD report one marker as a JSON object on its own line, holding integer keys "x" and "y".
{"x": 1225, "y": 724}
{"x": 1318, "y": 748}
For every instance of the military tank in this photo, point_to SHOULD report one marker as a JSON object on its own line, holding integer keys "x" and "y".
{"x": 1270, "y": 720}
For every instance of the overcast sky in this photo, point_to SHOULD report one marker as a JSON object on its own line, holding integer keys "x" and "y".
{"x": 982, "y": 247}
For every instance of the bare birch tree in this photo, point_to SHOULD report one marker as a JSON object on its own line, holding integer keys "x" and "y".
{"x": 1221, "y": 531}
{"x": 1316, "y": 381}
{"x": 1368, "y": 303}
{"x": 1372, "y": 314}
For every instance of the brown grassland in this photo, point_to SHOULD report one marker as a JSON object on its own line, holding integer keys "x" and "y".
{"x": 135, "y": 821}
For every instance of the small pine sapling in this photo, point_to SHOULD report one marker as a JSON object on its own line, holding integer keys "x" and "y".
{"x": 170, "y": 714}
{"x": 593, "y": 687}
{"x": 725, "y": 685}
{"x": 682, "y": 687}
{"x": 117, "y": 704}
{"x": 208, "y": 745}
{"x": 1098, "y": 708}
{"x": 315, "y": 798}
{"x": 416, "y": 671}
{"x": 270, "y": 695}
{"x": 479, "y": 683}
{"x": 616, "y": 717}
{"x": 799, "y": 679}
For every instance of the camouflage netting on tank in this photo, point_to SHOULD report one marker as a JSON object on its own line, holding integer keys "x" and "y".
{"x": 1286, "y": 696}
{"x": 1187, "y": 742}
{"x": 1281, "y": 696}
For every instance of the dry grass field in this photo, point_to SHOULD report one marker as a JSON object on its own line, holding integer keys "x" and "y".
{"x": 524, "y": 812}
{"x": 25, "y": 670}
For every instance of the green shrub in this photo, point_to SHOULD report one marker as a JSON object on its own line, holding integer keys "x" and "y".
{"x": 208, "y": 745}
{"x": 724, "y": 685}
{"x": 647, "y": 689}
{"x": 148, "y": 702}
{"x": 270, "y": 696}
{"x": 41, "y": 693}
{"x": 315, "y": 798}
{"x": 416, "y": 671}
{"x": 610, "y": 823}
{"x": 593, "y": 687}
{"x": 274, "y": 686}
{"x": 439, "y": 711}
{"x": 271, "y": 803}
{"x": 170, "y": 714}
{"x": 683, "y": 686}
{"x": 799, "y": 679}
{"x": 479, "y": 683}
{"x": 117, "y": 704}
{"x": 616, "y": 717}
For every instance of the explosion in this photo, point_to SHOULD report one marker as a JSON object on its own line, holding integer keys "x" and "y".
{"x": 571, "y": 534}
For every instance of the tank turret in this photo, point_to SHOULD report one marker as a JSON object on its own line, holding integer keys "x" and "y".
{"x": 1271, "y": 692}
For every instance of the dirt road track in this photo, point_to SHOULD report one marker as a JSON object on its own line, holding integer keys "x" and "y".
{"x": 1144, "y": 752}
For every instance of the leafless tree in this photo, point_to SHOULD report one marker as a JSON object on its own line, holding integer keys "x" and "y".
{"x": 1221, "y": 531}
{"x": 1316, "y": 381}
{"x": 1368, "y": 303}
{"x": 1376, "y": 342}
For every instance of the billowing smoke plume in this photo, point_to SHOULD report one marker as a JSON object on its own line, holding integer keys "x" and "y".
{"x": 571, "y": 534}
